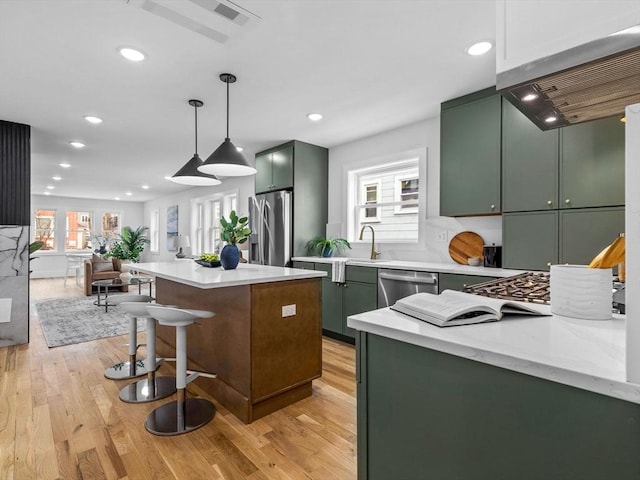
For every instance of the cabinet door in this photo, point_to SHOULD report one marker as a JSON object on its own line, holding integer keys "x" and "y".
{"x": 332, "y": 306}
{"x": 282, "y": 168}
{"x": 584, "y": 233}
{"x": 529, "y": 163}
{"x": 592, "y": 164}
{"x": 470, "y": 158}
{"x": 452, "y": 281}
{"x": 358, "y": 298}
{"x": 530, "y": 240}
{"x": 263, "y": 175}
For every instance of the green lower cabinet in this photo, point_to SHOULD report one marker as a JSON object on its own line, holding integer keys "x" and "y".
{"x": 358, "y": 298}
{"x": 332, "y": 306}
{"x": 454, "y": 281}
{"x": 424, "y": 414}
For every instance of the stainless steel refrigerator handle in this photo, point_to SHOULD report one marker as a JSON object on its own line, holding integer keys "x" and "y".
{"x": 263, "y": 230}
{"x": 400, "y": 278}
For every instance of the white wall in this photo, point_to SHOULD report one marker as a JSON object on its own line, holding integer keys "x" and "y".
{"x": 54, "y": 264}
{"x": 244, "y": 186}
{"x": 528, "y": 30}
{"x": 435, "y": 231}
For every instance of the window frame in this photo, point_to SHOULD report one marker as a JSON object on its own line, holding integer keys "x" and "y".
{"x": 154, "y": 231}
{"x": 87, "y": 231}
{"x": 205, "y": 222}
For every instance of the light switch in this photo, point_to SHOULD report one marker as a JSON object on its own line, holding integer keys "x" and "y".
{"x": 288, "y": 310}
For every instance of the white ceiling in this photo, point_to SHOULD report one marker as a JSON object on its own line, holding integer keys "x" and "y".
{"x": 367, "y": 66}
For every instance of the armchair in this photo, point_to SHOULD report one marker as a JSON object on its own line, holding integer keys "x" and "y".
{"x": 98, "y": 268}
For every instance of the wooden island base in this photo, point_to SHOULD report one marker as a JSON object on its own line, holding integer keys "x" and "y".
{"x": 263, "y": 361}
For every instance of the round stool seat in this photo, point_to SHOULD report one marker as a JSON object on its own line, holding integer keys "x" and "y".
{"x": 134, "y": 367}
{"x": 184, "y": 414}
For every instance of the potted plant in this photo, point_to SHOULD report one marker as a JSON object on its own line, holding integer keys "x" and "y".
{"x": 234, "y": 231}
{"x": 129, "y": 244}
{"x": 326, "y": 247}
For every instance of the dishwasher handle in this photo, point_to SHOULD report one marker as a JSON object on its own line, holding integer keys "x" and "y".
{"x": 402, "y": 278}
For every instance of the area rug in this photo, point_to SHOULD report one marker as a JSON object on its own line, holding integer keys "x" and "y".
{"x": 75, "y": 320}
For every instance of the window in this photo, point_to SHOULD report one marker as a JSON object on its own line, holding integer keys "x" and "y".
{"x": 205, "y": 221}
{"x": 154, "y": 231}
{"x": 386, "y": 197}
{"x": 77, "y": 231}
{"x": 44, "y": 228}
{"x": 110, "y": 225}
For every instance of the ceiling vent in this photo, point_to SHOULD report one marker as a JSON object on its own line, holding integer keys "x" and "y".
{"x": 591, "y": 81}
{"x": 219, "y": 22}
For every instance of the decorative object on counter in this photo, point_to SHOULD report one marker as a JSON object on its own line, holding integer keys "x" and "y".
{"x": 326, "y": 247}
{"x": 234, "y": 231}
{"x": 465, "y": 245}
{"x": 227, "y": 160}
{"x": 611, "y": 256}
{"x": 475, "y": 261}
{"x": 525, "y": 287}
{"x": 129, "y": 245}
{"x": 189, "y": 173}
{"x": 492, "y": 256}
{"x": 181, "y": 241}
{"x": 578, "y": 291}
{"x": 209, "y": 260}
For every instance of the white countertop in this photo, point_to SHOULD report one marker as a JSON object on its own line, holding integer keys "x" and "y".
{"x": 190, "y": 273}
{"x": 417, "y": 266}
{"x": 586, "y": 354}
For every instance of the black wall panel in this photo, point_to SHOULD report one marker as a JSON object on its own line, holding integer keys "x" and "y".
{"x": 15, "y": 173}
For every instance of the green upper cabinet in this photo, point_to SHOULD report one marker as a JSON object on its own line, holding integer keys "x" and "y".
{"x": 275, "y": 169}
{"x": 530, "y": 240}
{"x": 529, "y": 163}
{"x": 592, "y": 164}
{"x": 470, "y": 131}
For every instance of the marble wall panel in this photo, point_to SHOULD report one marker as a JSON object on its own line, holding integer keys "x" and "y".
{"x": 16, "y": 331}
{"x": 14, "y": 251}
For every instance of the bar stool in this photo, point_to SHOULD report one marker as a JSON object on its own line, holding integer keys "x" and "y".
{"x": 152, "y": 388}
{"x": 184, "y": 414}
{"x": 134, "y": 367}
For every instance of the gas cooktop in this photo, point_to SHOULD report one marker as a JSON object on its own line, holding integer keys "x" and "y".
{"x": 526, "y": 287}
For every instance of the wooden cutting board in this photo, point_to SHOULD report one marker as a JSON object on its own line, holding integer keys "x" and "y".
{"x": 465, "y": 245}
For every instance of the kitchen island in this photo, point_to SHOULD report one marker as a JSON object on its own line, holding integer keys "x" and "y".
{"x": 528, "y": 398}
{"x": 265, "y": 342}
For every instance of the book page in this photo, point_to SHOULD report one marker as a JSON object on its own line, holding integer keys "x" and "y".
{"x": 449, "y": 304}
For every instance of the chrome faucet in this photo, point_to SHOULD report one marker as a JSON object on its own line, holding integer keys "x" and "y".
{"x": 374, "y": 254}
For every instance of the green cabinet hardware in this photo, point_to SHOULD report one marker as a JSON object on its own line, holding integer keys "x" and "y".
{"x": 454, "y": 281}
{"x": 470, "y": 155}
{"x": 424, "y": 414}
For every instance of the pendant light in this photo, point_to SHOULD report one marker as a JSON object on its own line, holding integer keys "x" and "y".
{"x": 227, "y": 160}
{"x": 189, "y": 174}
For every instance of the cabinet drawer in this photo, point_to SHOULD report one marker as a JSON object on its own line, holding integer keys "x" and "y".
{"x": 361, "y": 274}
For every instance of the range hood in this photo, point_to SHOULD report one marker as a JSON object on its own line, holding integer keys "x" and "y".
{"x": 594, "y": 80}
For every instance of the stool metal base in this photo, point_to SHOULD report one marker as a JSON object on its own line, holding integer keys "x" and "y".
{"x": 171, "y": 419}
{"x": 147, "y": 391}
{"x": 123, "y": 371}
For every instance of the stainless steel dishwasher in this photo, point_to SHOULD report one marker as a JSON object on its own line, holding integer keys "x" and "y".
{"x": 396, "y": 284}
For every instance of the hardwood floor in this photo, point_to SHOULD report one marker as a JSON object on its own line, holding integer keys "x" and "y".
{"x": 60, "y": 418}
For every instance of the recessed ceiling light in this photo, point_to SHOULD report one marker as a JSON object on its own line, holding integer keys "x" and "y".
{"x": 132, "y": 54}
{"x": 239, "y": 148}
{"x": 314, "y": 117}
{"x": 117, "y": 198}
{"x": 77, "y": 144}
{"x": 146, "y": 187}
{"x": 129, "y": 194}
{"x": 92, "y": 119}
{"x": 57, "y": 178}
{"x": 50, "y": 187}
{"x": 479, "y": 48}
{"x": 46, "y": 193}
{"x": 65, "y": 165}
{"x": 529, "y": 97}
{"x": 550, "y": 119}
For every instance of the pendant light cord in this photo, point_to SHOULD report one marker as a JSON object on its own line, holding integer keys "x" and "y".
{"x": 227, "y": 82}
{"x": 195, "y": 107}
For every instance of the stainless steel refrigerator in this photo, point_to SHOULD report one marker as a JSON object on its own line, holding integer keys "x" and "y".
{"x": 270, "y": 221}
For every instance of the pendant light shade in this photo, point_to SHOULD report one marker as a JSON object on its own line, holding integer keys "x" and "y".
{"x": 189, "y": 173}
{"x": 227, "y": 160}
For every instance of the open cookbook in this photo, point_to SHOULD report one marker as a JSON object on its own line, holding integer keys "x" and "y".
{"x": 452, "y": 308}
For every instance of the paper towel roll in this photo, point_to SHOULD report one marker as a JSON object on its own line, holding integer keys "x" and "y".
{"x": 578, "y": 291}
